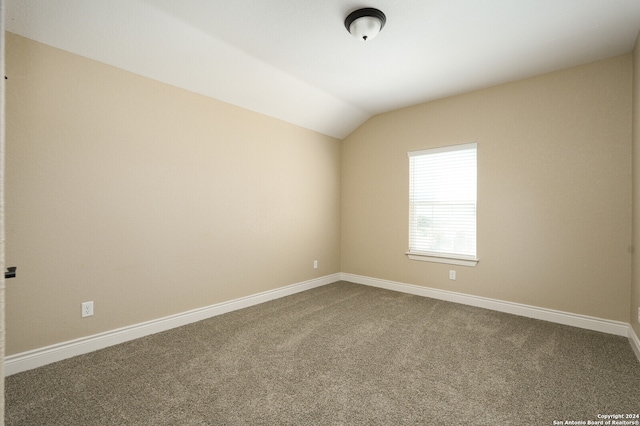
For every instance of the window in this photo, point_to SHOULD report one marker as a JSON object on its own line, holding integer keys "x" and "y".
{"x": 442, "y": 204}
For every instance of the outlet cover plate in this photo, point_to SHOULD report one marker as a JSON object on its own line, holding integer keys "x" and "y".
{"x": 87, "y": 309}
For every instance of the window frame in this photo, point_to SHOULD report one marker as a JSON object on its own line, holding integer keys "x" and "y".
{"x": 441, "y": 256}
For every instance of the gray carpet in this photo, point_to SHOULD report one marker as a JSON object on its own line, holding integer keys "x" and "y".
{"x": 340, "y": 354}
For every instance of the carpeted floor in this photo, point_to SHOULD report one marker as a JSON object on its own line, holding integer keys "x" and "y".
{"x": 340, "y": 354}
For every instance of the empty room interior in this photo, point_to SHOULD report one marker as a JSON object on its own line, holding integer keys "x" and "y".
{"x": 174, "y": 162}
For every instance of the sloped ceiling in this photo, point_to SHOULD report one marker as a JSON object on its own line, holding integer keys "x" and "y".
{"x": 295, "y": 61}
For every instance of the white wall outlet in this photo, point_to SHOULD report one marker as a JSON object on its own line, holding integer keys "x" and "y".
{"x": 315, "y": 264}
{"x": 87, "y": 309}
{"x": 452, "y": 274}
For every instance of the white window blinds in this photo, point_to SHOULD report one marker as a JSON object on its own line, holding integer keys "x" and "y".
{"x": 442, "y": 202}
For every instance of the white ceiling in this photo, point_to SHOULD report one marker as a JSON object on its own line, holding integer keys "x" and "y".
{"x": 295, "y": 61}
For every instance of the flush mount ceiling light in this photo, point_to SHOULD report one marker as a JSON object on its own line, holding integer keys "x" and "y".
{"x": 365, "y": 24}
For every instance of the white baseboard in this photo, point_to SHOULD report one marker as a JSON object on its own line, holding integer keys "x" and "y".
{"x": 576, "y": 320}
{"x": 635, "y": 342}
{"x": 36, "y": 358}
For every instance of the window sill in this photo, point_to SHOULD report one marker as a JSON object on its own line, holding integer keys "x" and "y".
{"x": 451, "y": 260}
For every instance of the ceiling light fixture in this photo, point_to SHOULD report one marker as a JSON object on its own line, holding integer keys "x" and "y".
{"x": 365, "y": 24}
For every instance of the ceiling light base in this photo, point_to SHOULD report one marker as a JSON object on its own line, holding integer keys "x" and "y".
{"x": 365, "y": 24}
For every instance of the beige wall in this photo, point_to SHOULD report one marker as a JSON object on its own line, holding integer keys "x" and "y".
{"x": 554, "y": 190}
{"x": 635, "y": 284}
{"x": 150, "y": 200}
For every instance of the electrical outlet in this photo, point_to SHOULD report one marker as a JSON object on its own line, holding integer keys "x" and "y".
{"x": 452, "y": 274}
{"x": 315, "y": 264}
{"x": 639, "y": 315}
{"x": 87, "y": 309}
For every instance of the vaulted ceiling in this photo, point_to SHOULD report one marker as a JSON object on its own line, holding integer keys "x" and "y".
{"x": 295, "y": 61}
